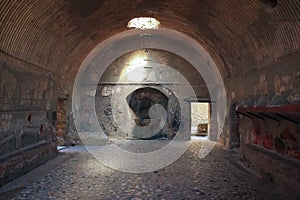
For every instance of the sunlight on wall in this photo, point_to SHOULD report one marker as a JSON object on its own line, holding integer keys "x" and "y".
{"x": 135, "y": 71}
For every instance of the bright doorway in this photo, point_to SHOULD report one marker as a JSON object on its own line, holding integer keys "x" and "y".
{"x": 200, "y": 115}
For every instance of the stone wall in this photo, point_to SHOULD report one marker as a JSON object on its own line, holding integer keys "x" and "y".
{"x": 168, "y": 73}
{"x": 277, "y": 84}
{"x": 110, "y": 113}
{"x": 268, "y": 123}
{"x": 27, "y": 127}
{"x": 279, "y": 170}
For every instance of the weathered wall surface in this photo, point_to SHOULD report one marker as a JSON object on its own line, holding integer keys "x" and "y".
{"x": 163, "y": 71}
{"x": 269, "y": 127}
{"x": 108, "y": 109}
{"x": 281, "y": 171}
{"x": 277, "y": 84}
{"x": 27, "y": 129}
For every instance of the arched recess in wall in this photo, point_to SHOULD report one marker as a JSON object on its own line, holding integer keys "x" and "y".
{"x": 93, "y": 67}
{"x": 169, "y": 40}
{"x": 153, "y": 68}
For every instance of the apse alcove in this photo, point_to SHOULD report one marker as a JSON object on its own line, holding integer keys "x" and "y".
{"x": 140, "y": 80}
{"x": 141, "y": 100}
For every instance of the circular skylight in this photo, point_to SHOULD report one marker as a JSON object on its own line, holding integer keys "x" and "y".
{"x": 143, "y": 23}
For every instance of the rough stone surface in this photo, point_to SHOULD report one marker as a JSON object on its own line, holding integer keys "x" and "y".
{"x": 27, "y": 132}
{"x": 20, "y": 162}
{"x": 214, "y": 177}
{"x": 164, "y": 72}
{"x": 263, "y": 143}
{"x": 283, "y": 172}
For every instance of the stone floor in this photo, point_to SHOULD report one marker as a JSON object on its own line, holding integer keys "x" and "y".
{"x": 75, "y": 174}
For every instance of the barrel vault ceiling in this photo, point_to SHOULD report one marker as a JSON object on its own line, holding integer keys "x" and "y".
{"x": 240, "y": 35}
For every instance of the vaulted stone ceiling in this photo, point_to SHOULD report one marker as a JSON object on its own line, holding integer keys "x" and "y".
{"x": 240, "y": 35}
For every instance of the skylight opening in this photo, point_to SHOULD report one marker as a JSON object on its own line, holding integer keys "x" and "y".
{"x": 143, "y": 23}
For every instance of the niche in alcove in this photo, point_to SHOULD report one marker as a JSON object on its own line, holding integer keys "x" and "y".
{"x": 141, "y": 100}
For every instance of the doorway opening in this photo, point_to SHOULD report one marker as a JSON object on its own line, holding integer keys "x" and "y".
{"x": 200, "y": 115}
